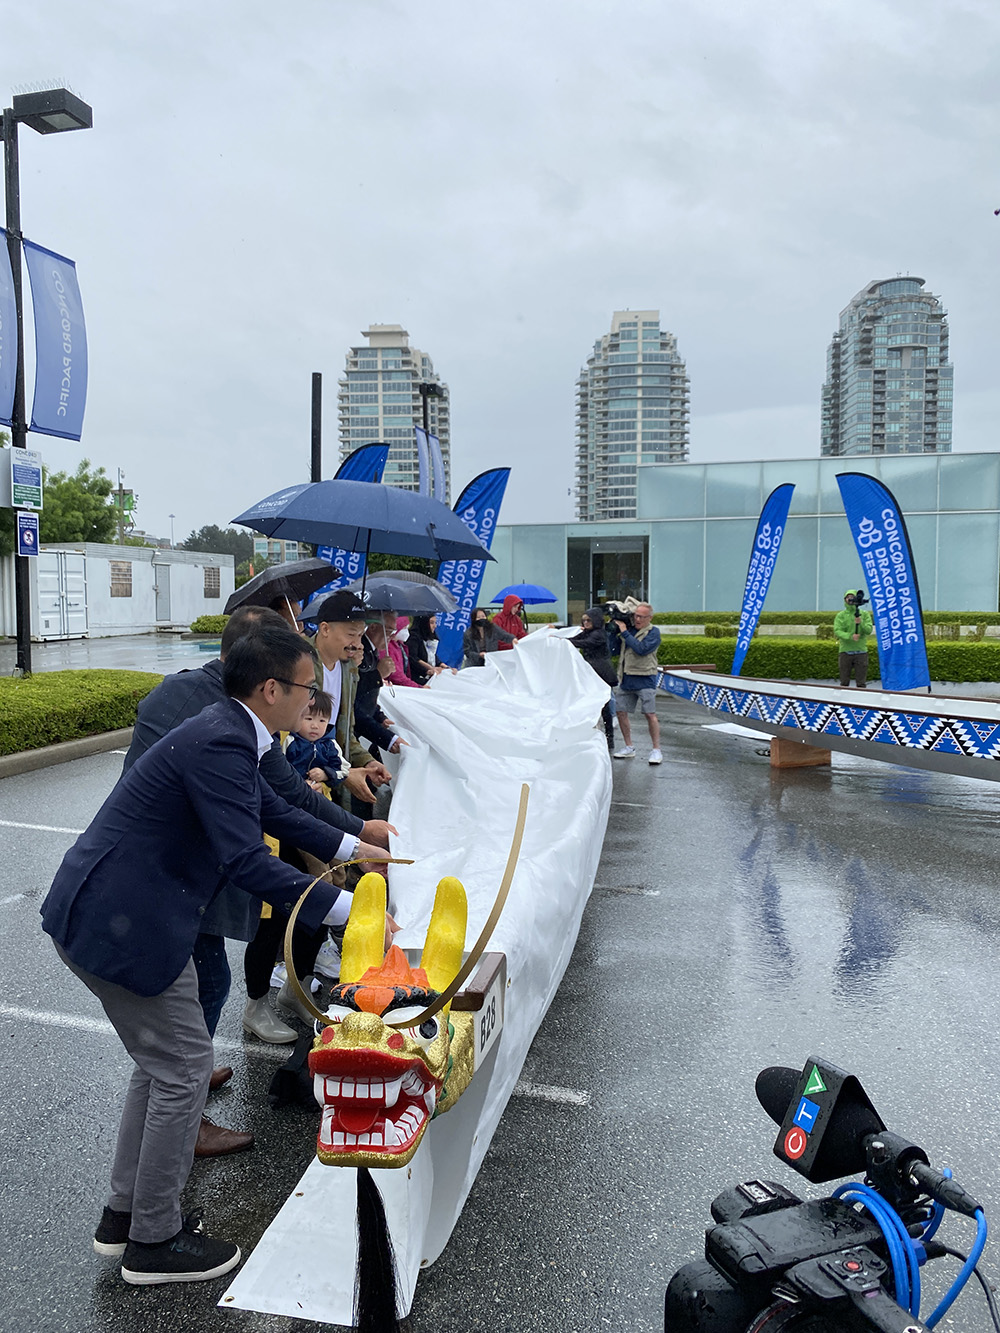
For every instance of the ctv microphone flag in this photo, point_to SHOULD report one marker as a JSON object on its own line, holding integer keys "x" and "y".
{"x": 766, "y": 543}
{"x": 364, "y": 464}
{"x": 60, "y": 344}
{"x": 8, "y": 335}
{"x": 478, "y": 506}
{"x": 884, "y": 550}
{"x": 423, "y": 459}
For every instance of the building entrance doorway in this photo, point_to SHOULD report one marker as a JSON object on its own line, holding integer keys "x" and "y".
{"x": 605, "y": 569}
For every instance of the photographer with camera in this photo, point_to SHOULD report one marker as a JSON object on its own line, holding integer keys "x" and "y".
{"x": 637, "y": 667}
{"x": 851, "y": 628}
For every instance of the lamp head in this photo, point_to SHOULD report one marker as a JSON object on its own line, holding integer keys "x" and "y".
{"x": 52, "y": 111}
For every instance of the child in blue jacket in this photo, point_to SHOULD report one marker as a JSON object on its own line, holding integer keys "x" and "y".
{"x": 311, "y": 752}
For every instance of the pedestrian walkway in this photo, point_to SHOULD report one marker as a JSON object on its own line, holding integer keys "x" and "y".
{"x": 126, "y": 652}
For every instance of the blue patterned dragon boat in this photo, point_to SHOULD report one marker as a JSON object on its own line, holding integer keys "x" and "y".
{"x": 950, "y": 735}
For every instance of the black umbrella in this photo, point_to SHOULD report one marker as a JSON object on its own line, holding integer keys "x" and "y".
{"x": 382, "y": 593}
{"x": 295, "y": 580}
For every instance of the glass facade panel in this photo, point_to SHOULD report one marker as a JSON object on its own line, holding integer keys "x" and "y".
{"x": 968, "y": 553}
{"x": 970, "y": 481}
{"x": 913, "y": 481}
{"x": 733, "y": 489}
{"x": 839, "y": 566}
{"x": 803, "y": 474}
{"x": 676, "y": 566}
{"x": 669, "y": 492}
{"x": 793, "y": 586}
{"x": 728, "y": 554}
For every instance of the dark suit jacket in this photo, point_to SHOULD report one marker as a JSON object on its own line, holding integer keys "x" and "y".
{"x": 180, "y": 696}
{"x": 128, "y": 900}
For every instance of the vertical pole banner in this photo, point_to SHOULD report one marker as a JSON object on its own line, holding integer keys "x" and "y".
{"x": 884, "y": 550}
{"x": 763, "y": 557}
{"x": 478, "y": 507}
{"x": 423, "y": 461}
{"x": 364, "y": 464}
{"x": 8, "y": 335}
{"x": 60, "y": 344}
{"x": 437, "y": 461}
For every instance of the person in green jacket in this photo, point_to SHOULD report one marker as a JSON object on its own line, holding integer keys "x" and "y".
{"x": 851, "y": 628}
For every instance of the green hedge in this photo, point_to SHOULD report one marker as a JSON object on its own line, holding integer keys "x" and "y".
{"x": 540, "y": 617}
{"x": 209, "y": 625}
{"x": 814, "y": 617}
{"x": 65, "y": 705}
{"x": 816, "y": 659}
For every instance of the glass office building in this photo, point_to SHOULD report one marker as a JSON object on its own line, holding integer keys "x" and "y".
{"x": 889, "y": 383}
{"x": 689, "y": 545}
{"x": 631, "y": 408}
{"x": 379, "y": 399}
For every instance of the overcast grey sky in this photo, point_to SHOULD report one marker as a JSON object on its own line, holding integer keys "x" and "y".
{"x": 264, "y": 181}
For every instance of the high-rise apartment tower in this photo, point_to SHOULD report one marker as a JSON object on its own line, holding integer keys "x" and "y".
{"x": 631, "y": 407}
{"x": 889, "y": 383}
{"x": 379, "y": 399}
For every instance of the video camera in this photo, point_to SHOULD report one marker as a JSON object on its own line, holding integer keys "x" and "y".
{"x": 618, "y": 611}
{"x": 774, "y": 1262}
{"x": 857, "y": 600}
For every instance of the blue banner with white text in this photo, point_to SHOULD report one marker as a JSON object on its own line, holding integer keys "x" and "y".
{"x": 364, "y": 464}
{"x": 8, "y": 335}
{"x": 884, "y": 550}
{"x": 479, "y": 508}
{"x": 60, "y": 344}
{"x": 763, "y": 557}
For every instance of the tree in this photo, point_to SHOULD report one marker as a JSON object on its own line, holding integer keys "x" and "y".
{"x": 77, "y": 507}
{"x": 236, "y": 542}
{"x": 416, "y": 564}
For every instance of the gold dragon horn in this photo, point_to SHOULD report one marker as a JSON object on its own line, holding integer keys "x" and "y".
{"x": 442, "y": 956}
{"x": 365, "y": 934}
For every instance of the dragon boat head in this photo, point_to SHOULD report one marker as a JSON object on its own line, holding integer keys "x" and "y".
{"x": 379, "y": 1076}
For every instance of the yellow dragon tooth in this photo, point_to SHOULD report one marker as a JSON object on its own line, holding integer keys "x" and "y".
{"x": 365, "y": 934}
{"x": 442, "y": 956}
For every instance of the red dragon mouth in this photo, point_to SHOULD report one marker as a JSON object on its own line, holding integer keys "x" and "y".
{"x": 372, "y": 1103}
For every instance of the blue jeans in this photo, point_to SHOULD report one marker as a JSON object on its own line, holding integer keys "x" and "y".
{"x": 214, "y": 977}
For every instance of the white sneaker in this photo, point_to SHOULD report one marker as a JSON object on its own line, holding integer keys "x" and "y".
{"x": 328, "y": 960}
{"x": 655, "y": 757}
{"x": 626, "y": 752}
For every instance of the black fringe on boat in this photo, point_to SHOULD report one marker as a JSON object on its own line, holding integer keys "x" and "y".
{"x": 375, "y": 1309}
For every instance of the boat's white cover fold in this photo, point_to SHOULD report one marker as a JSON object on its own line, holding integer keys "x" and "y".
{"x": 528, "y": 716}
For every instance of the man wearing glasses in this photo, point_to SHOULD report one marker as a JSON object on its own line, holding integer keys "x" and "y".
{"x": 637, "y": 680}
{"x": 124, "y": 912}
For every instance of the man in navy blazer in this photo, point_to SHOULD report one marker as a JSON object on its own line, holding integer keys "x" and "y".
{"x": 124, "y": 912}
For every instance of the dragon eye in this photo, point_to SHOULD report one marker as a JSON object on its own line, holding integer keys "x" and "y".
{"x": 429, "y": 1030}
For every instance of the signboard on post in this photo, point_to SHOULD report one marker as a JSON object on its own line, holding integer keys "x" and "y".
{"x": 25, "y": 479}
{"x": 27, "y": 534}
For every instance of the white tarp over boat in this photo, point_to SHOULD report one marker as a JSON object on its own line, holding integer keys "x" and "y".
{"x": 527, "y": 716}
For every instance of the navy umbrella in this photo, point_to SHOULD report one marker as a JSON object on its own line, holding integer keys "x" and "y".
{"x": 405, "y": 598}
{"x": 530, "y": 593}
{"x": 365, "y": 516}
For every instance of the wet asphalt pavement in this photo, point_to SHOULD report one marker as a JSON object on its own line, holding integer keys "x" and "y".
{"x": 742, "y": 917}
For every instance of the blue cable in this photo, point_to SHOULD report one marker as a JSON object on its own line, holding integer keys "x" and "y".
{"x": 965, "y": 1272}
{"x": 903, "y": 1256}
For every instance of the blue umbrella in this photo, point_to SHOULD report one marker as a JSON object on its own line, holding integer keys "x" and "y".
{"x": 365, "y": 516}
{"x": 529, "y": 593}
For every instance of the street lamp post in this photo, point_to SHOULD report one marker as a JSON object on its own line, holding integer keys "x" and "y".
{"x": 48, "y": 112}
{"x": 171, "y": 517}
